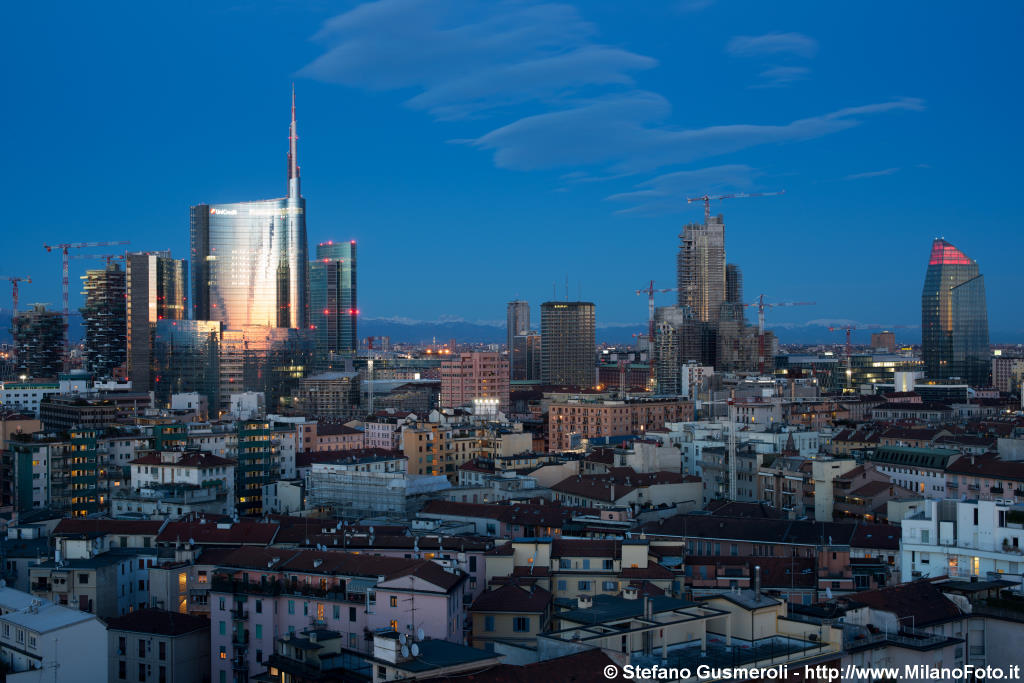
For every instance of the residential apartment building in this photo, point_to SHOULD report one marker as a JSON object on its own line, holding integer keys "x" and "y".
{"x": 572, "y": 420}
{"x": 469, "y": 378}
{"x": 158, "y": 646}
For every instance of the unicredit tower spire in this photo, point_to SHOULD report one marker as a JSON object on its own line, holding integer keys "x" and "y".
{"x": 293, "y": 154}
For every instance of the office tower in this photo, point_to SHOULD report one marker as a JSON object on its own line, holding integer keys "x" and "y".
{"x": 466, "y": 377}
{"x": 249, "y": 259}
{"x": 954, "y": 317}
{"x": 156, "y": 290}
{"x": 568, "y": 346}
{"x": 332, "y": 298}
{"x": 700, "y": 268}
{"x": 669, "y": 347}
{"x": 103, "y": 316}
{"x": 39, "y": 342}
{"x": 883, "y": 340}
{"x": 266, "y": 359}
{"x": 524, "y": 358}
{"x": 518, "y": 320}
{"x": 186, "y": 359}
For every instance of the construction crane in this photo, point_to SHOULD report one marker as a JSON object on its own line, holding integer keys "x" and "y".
{"x": 737, "y": 195}
{"x": 650, "y": 292}
{"x": 13, "y": 287}
{"x": 65, "y": 260}
{"x": 106, "y": 257}
{"x": 762, "y": 306}
{"x": 851, "y": 328}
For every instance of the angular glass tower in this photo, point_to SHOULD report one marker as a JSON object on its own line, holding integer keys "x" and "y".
{"x": 954, "y": 317}
{"x": 249, "y": 259}
{"x": 333, "y": 307}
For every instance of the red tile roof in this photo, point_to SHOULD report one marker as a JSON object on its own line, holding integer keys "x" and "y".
{"x": 198, "y": 459}
{"x": 920, "y": 599}
{"x": 122, "y": 527}
{"x": 513, "y": 598}
{"x": 158, "y": 622}
{"x": 244, "y": 532}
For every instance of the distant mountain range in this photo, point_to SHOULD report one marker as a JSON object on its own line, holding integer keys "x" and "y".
{"x": 493, "y": 332}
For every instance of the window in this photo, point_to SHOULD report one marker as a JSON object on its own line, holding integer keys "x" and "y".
{"x": 975, "y": 516}
{"x": 609, "y": 586}
{"x": 351, "y": 613}
{"x": 83, "y": 578}
{"x": 521, "y": 624}
{"x": 223, "y": 653}
{"x": 393, "y": 624}
{"x": 734, "y": 549}
{"x": 142, "y": 647}
{"x": 221, "y": 600}
{"x": 122, "y": 670}
{"x": 394, "y": 601}
{"x": 163, "y": 674}
{"x": 142, "y": 672}
{"x": 583, "y": 585}
{"x": 122, "y": 645}
{"x": 563, "y": 585}
{"x": 924, "y": 535}
{"x": 222, "y": 627}
{"x": 162, "y": 651}
{"x": 586, "y": 564}
{"x": 259, "y": 607}
{"x": 489, "y": 623}
{"x": 336, "y": 612}
{"x": 259, "y": 656}
{"x": 291, "y": 607}
{"x": 223, "y": 677}
{"x": 472, "y": 563}
{"x": 609, "y": 564}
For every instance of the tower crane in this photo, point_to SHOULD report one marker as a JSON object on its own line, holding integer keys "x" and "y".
{"x": 65, "y": 258}
{"x": 762, "y": 306}
{"x": 14, "y": 290}
{"x": 650, "y": 291}
{"x": 851, "y": 328}
{"x": 106, "y": 257}
{"x": 736, "y": 195}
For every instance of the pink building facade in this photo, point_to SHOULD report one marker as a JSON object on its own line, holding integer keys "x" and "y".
{"x": 475, "y": 375}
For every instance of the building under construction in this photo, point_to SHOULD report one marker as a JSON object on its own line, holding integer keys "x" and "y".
{"x": 700, "y": 268}
{"x": 105, "y": 319}
{"x": 39, "y": 342}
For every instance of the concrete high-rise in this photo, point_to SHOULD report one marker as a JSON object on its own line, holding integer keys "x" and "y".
{"x": 104, "y": 318}
{"x": 249, "y": 259}
{"x": 157, "y": 287}
{"x": 466, "y": 377}
{"x": 954, "y": 317}
{"x": 39, "y": 342}
{"x": 700, "y": 268}
{"x": 517, "y": 316}
{"x": 568, "y": 343}
{"x": 333, "y": 307}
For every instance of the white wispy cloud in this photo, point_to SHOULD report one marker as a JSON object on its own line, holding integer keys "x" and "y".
{"x": 667, "y": 193}
{"x": 464, "y": 58}
{"x": 779, "y": 76}
{"x": 772, "y": 43}
{"x": 872, "y": 174}
{"x": 560, "y": 98}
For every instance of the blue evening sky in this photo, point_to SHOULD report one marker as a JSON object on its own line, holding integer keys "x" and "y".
{"x": 484, "y": 151}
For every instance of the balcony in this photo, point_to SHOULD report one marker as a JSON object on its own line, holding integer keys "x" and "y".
{"x": 240, "y": 614}
{"x": 239, "y": 664}
{"x": 996, "y": 489}
{"x": 41, "y": 586}
{"x": 240, "y": 640}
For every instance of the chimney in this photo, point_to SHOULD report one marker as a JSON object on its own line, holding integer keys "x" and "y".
{"x": 648, "y": 609}
{"x": 757, "y": 581}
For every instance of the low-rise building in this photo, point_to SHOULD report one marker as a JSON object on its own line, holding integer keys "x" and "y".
{"x": 157, "y": 645}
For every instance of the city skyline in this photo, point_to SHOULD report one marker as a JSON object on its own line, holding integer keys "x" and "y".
{"x": 859, "y": 159}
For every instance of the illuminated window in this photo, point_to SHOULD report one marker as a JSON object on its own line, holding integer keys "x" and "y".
{"x": 394, "y": 601}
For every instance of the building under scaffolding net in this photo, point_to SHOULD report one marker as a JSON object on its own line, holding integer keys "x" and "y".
{"x": 356, "y": 494}
{"x": 39, "y": 342}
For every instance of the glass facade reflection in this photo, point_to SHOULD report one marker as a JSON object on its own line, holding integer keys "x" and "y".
{"x": 954, "y": 317}
{"x": 185, "y": 359}
{"x": 156, "y": 290}
{"x": 333, "y": 307}
{"x": 249, "y": 259}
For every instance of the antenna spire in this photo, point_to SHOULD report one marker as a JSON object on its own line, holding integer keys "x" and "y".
{"x": 293, "y": 149}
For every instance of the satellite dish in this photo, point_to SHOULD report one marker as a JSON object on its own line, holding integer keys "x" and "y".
{"x": 415, "y": 650}
{"x": 419, "y": 633}
{"x": 403, "y": 639}
{"x": 405, "y": 651}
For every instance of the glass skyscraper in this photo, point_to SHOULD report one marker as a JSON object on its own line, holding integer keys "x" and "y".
{"x": 954, "y": 317}
{"x": 249, "y": 259}
{"x": 332, "y": 298}
{"x": 156, "y": 290}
